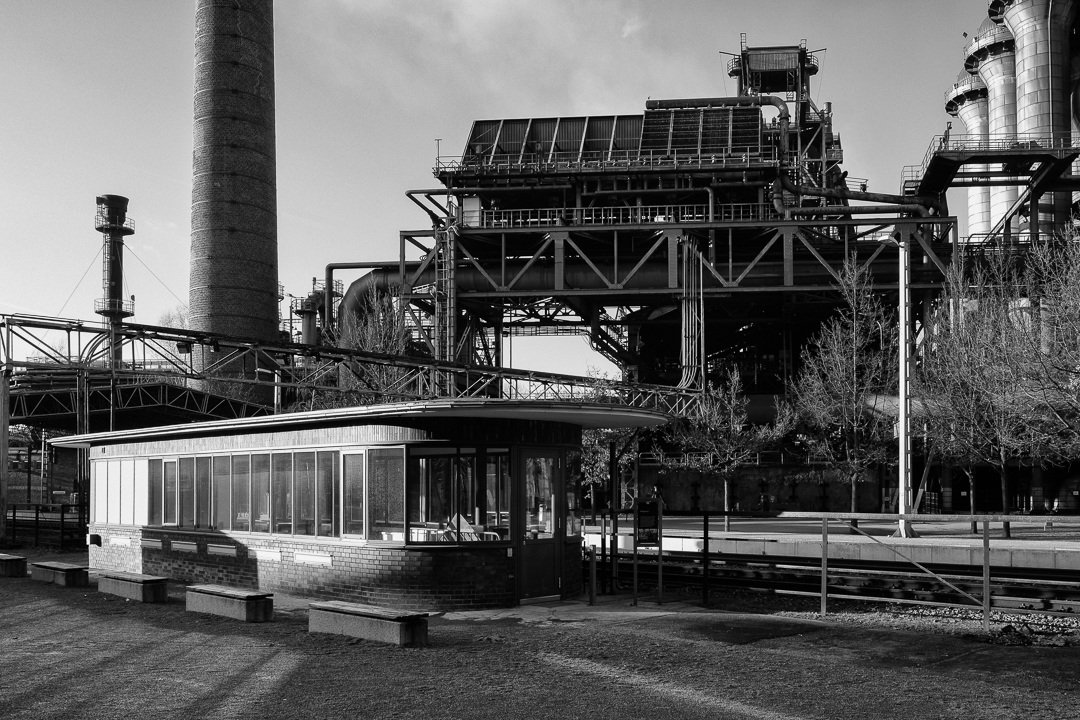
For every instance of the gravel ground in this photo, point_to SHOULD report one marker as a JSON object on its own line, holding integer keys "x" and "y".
{"x": 75, "y": 653}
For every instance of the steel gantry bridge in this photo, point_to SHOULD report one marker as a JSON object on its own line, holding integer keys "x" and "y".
{"x": 704, "y": 233}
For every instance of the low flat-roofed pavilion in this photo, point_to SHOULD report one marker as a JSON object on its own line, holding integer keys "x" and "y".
{"x": 441, "y": 504}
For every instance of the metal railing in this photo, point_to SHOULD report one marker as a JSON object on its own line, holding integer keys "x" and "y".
{"x": 636, "y": 215}
{"x": 59, "y": 522}
{"x": 612, "y": 537}
{"x": 994, "y": 143}
{"x": 734, "y": 65}
{"x": 310, "y": 368}
{"x": 108, "y": 305}
{"x": 561, "y": 162}
{"x": 675, "y": 459}
{"x": 103, "y": 223}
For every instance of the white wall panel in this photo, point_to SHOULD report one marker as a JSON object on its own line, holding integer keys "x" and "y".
{"x": 114, "y": 492}
{"x": 141, "y": 498}
{"x": 127, "y": 492}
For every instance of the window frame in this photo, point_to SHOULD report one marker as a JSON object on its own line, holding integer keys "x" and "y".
{"x": 480, "y": 455}
{"x": 362, "y": 535}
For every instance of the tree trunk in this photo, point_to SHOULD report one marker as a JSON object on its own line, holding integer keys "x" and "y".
{"x": 1003, "y": 471}
{"x": 727, "y": 504}
{"x": 854, "y": 499}
{"x": 971, "y": 499}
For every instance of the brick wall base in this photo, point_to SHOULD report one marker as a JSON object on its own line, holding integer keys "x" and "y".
{"x": 453, "y": 578}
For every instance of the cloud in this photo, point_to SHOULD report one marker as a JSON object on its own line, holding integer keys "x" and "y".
{"x": 632, "y": 26}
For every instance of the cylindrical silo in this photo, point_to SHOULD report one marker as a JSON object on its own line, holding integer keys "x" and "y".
{"x": 234, "y": 279}
{"x": 1041, "y": 31}
{"x": 966, "y": 99}
{"x": 990, "y": 54}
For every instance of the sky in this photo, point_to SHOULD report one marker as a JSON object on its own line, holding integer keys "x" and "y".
{"x": 96, "y": 97}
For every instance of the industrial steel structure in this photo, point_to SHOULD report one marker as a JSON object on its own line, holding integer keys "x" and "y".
{"x": 703, "y": 233}
{"x": 1016, "y": 96}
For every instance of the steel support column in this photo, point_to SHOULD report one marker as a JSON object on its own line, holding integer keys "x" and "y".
{"x": 5, "y": 407}
{"x": 904, "y": 421}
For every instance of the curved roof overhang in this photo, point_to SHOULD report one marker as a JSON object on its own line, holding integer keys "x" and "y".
{"x": 585, "y": 415}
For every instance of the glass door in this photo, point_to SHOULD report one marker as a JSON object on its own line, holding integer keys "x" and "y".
{"x": 541, "y": 555}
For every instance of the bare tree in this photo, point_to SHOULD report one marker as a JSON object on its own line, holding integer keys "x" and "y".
{"x": 1053, "y": 352}
{"x": 600, "y": 446}
{"x": 716, "y": 434}
{"x": 983, "y": 387}
{"x": 378, "y": 326}
{"x": 177, "y": 318}
{"x": 842, "y": 394}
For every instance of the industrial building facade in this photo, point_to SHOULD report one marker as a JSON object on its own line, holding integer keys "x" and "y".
{"x": 445, "y": 504}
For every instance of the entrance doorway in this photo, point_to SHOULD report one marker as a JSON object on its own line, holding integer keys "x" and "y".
{"x": 541, "y": 556}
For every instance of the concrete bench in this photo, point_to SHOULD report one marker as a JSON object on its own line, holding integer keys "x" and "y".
{"x": 246, "y": 605}
{"x": 134, "y": 586}
{"x": 12, "y": 565}
{"x": 60, "y": 573}
{"x": 397, "y": 627}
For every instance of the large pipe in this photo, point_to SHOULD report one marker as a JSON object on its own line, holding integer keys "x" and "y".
{"x": 845, "y": 194}
{"x": 788, "y": 211}
{"x": 967, "y": 100}
{"x": 234, "y": 273}
{"x": 748, "y": 101}
{"x": 991, "y": 54}
{"x": 1041, "y": 30}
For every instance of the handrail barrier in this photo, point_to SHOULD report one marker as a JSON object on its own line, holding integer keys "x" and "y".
{"x": 67, "y": 519}
{"x": 634, "y": 215}
{"x": 948, "y": 142}
{"x": 611, "y": 526}
{"x": 556, "y": 162}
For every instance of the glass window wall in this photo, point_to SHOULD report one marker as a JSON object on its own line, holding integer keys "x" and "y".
{"x": 282, "y": 491}
{"x": 186, "y": 486}
{"x": 539, "y": 497}
{"x": 573, "y": 493}
{"x": 386, "y": 494}
{"x": 353, "y": 493}
{"x": 304, "y": 493}
{"x": 450, "y": 499}
{"x": 202, "y": 492}
{"x": 156, "y": 493}
{"x": 241, "y": 492}
{"x": 170, "y": 494}
{"x": 222, "y": 493}
{"x": 328, "y": 498}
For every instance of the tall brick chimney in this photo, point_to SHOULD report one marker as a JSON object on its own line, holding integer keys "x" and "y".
{"x": 234, "y": 274}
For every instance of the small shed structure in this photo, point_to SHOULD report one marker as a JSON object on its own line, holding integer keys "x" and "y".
{"x": 443, "y": 504}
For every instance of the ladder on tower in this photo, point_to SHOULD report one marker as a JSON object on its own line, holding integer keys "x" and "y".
{"x": 445, "y": 295}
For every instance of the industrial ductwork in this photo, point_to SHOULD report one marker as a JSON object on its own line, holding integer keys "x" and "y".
{"x": 967, "y": 100}
{"x": 749, "y": 101}
{"x": 991, "y": 55}
{"x": 1041, "y": 31}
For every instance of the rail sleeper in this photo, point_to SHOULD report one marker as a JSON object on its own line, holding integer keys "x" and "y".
{"x": 135, "y": 586}
{"x": 369, "y": 622}
{"x": 12, "y": 565}
{"x": 60, "y": 573}
{"x": 246, "y": 605}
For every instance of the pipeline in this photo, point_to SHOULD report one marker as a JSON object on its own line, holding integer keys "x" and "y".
{"x": 786, "y": 211}
{"x": 469, "y": 279}
{"x": 846, "y": 194}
